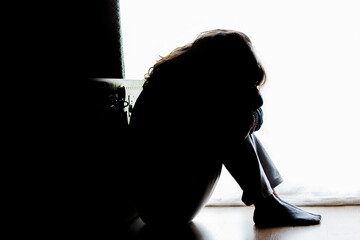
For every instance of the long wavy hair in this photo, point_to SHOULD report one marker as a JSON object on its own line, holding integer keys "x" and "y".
{"x": 211, "y": 83}
{"x": 213, "y": 55}
{"x": 215, "y": 80}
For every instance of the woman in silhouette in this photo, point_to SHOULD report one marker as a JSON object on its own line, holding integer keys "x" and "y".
{"x": 198, "y": 110}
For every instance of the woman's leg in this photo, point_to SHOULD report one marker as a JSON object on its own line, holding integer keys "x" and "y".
{"x": 253, "y": 169}
{"x": 269, "y": 168}
{"x": 257, "y": 176}
{"x": 174, "y": 171}
{"x": 174, "y": 192}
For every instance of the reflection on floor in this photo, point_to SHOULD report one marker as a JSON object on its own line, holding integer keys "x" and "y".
{"x": 230, "y": 223}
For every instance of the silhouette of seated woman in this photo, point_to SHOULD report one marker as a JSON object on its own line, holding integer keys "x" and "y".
{"x": 198, "y": 110}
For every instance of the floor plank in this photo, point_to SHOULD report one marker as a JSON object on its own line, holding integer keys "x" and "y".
{"x": 235, "y": 223}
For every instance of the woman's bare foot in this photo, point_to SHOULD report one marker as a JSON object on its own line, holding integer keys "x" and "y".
{"x": 289, "y": 204}
{"x": 274, "y": 212}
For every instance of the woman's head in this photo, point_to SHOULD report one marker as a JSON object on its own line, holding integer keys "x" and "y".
{"x": 213, "y": 56}
{"x": 212, "y": 81}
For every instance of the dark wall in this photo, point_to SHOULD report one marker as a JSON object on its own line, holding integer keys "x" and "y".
{"x": 78, "y": 176}
{"x": 101, "y": 39}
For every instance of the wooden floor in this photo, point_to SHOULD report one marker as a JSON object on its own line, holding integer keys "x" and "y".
{"x": 235, "y": 223}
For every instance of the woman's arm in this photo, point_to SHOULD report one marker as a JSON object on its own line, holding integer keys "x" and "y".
{"x": 258, "y": 116}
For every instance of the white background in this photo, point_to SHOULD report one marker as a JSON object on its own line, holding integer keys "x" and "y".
{"x": 310, "y": 50}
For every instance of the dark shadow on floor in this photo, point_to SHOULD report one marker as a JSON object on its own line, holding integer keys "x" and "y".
{"x": 138, "y": 230}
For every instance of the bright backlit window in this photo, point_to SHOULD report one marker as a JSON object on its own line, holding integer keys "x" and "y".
{"x": 310, "y": 50}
